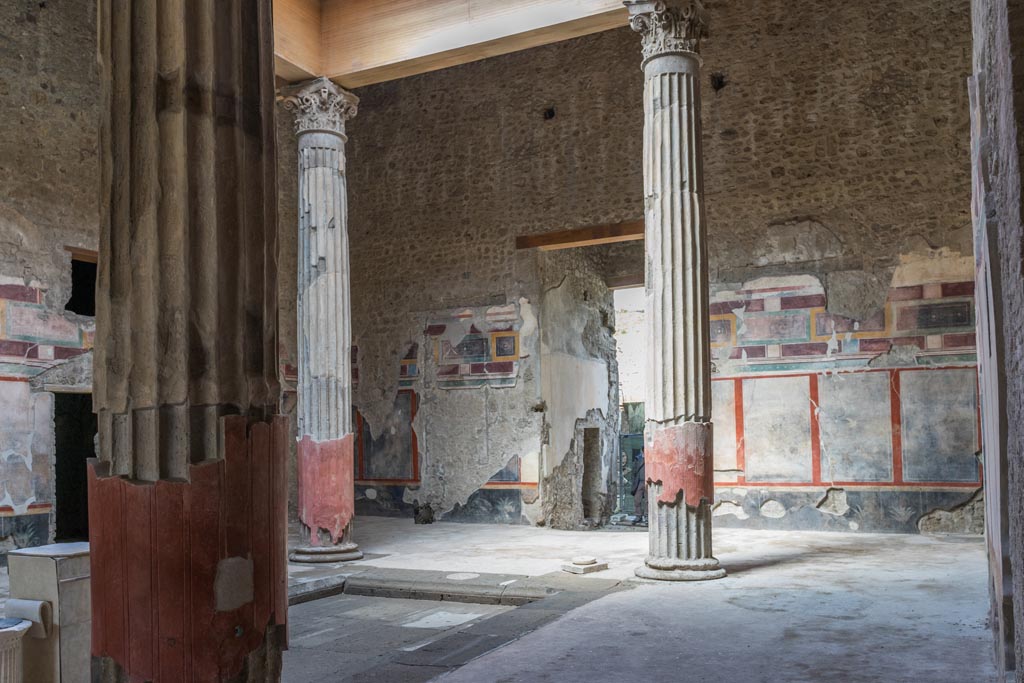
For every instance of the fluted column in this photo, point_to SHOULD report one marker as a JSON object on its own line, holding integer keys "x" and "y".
{"x": 188, "y": 495}
{"x": 678, "y": 434}
{"x": 325, "y": 447}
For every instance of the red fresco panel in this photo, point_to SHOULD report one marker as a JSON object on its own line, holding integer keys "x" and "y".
{"x": 959, "y": 341}
{"x": 958, "y": 289}
{"x": 906, "y": 293}
{"x": 804, "y": 301}
{"x": 896, "y": 416}
{"x": 724, "y": 307}
{"x": 19, "y": 293}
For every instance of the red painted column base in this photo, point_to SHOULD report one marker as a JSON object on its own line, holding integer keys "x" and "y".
{"x": 326, "y": 474}
{"x": 189, "y": 579}
{"x": 680, "y": 488}
{"x": 680, "y": 459}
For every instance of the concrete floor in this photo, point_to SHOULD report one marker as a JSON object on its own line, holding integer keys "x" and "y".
{"x": 797, "y": 607}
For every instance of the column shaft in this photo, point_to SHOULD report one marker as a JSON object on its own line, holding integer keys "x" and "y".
{"x": 325, "y": 448}
{"x": 188, "y": 495}
{"x": 678, "y": 434}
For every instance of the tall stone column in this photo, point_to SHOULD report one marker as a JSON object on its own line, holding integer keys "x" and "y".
{"x": 678, "y": 436}
{"x": 188, "y": 494}
{"x": 325, "y": 447}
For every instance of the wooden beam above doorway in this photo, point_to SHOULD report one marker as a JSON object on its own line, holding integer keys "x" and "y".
{"x": 583, "y": 237}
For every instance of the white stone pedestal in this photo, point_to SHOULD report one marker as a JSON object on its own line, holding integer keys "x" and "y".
{"x": 57, "y": 574}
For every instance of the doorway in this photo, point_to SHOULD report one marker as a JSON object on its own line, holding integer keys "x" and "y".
{"x": 75, "y": 432}
{"x": 593, "y": 498}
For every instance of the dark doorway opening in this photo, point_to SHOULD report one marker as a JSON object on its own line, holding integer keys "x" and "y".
{"x": 75, "y": 428}
{"x": 593, "y": 497}
{"x": 83, "y": 288}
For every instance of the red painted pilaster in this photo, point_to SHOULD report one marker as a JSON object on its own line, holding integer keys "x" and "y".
{"x": 156, "y": 549}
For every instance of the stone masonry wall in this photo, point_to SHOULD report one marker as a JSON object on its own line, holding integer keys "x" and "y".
{"x": 835, "y": 143}
{"x": 48, "y": 185}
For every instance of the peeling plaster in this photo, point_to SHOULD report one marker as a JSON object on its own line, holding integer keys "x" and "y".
{"x": 900, "y": 355}
{"x": 933, "y": 265}
{"x": 965, "y": 518}
{"x": 834, "y": 502}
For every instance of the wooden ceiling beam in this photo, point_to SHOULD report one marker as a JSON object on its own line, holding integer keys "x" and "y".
{"x": 583, "y": 237}
{"x": 298, "y": 38}
{"x": 370, "y": 41}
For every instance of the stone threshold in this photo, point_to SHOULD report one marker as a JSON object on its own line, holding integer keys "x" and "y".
{"x": 489, "y": 589}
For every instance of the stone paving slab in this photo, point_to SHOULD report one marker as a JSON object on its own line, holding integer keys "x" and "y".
{"x": 490, "y": 589}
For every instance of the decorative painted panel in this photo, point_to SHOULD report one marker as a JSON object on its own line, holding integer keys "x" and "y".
{"x": 777, "y": 433}
{"x": 940, "y": 425}
{"x": 856, "y": 427}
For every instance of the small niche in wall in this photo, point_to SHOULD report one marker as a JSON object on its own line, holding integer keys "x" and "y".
{"x": 83, "y": 282}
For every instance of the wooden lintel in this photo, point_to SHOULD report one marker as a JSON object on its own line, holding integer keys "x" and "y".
{"x": 80, "y": 254}
{"x": 625, "y": 281}
{"x": 583, "y": 237}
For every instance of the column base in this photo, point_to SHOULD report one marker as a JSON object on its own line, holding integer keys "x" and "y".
{"x": 343, "y": 552}
{"x": 675, "y": 570}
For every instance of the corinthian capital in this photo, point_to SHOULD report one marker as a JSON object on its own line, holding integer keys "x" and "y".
{"x": 668, "y": 26}
{"x": 320, "y": 105}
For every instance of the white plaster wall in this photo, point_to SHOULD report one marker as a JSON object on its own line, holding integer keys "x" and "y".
{"x": 629, "y": 340}
{"x": 571, "y": 387}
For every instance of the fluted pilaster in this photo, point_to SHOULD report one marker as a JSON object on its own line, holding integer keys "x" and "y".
{"x": 188, "y": 497}
{"x": 186, "y": 324}
{"x": 678, "y": 434}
